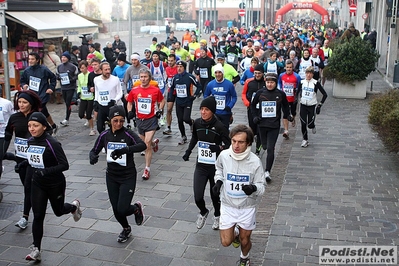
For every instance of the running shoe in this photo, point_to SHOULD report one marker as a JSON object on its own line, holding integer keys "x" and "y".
{"x": 215, "y": 225}
{"x": 103, "y": 151}
{"x": 22, "y": 223}
{"x": 201, "y": 220}
{"x": 146, "y": 174}
{"x": 314, "y": 130}
{"x": 268, "y": 177}
{"x": 139, "y": 214}
{"x": 86, "y": 124}
{"x": 244, "y": 262}
{"x": 258, "y": 149}
{"x": 142, "y": 153}
{"x": 236, "y": 241}
{"x": 77, "y": 214}
{"x": 167, "y": 131}
{"x": 183, "y": 140}
{"x": 92, "y": 132}
{"x": 162, "y": 121}
{"x": 34, "y": 255}
{"x": 192, "y": 125}
{"x": 124, "y": 235}
{"x": 286, "y": 134}
{"x": 305, "y": 143}
{"x": 64, "y": 122}
{"x": 155, "y": 145}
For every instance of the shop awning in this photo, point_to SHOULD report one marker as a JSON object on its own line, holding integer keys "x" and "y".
{"x": 54, "y": 24}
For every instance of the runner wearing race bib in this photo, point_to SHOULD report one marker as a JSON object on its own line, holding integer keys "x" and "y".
{"x": 240, "y": 182}
{"x": 182, "y": 89}
{"x": 171, "y": 72}
{"x": 289, "y": 82}
{"x": 48, "y": 162}
{"x": 268, "y": 116}
{"x": 146, "y": 97}
{"x": 212, "y": 137}
{"x": 86, "y": 96}
{"x": 27, "y": 103}
{"x": 307, "y": 92}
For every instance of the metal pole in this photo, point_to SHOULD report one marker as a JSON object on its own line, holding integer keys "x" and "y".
{"x": 157, "y": 13}
{"x": 215, "y": 20}
{"x": 206, "y": 8}
{"x": 117, "y": 17}
{"x": 6, "y": 87}
{"x": 130, "y": 14}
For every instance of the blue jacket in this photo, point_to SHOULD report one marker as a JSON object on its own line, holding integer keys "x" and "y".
{"x": 182, "y": 84}
{"x": 225, "y": 95}
{"x": 44, "y": 75}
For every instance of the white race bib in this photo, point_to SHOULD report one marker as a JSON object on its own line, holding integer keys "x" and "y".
{"x": 307, "y": 93}
{"x": 232, "y": 58}
{"x": 288, "y": 88}
{"x": 135, "y": 78}
{"x": 111, "y": 146}
{"x": 1, "y": 115}
{"x": 21, "y": 147}
{"x": 204, "y": 153}
{"x": 234, "y": 183}
{"x": 34, "y": 83}
{"x": 220, "y": 102}
{"x": 86, "y": 94}
{"x": 203, "y": 73}
{"x": 269, "y": 109}
{"x": 181, "y": 90}
{"x": 161, "y": 83}
{"x": 104, "y": 97}
{"x": 64, "y": 79}
{"x": 144, "y": 105}
{"x": 35, "y": 156}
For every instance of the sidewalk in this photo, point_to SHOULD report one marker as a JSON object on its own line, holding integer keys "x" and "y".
{"x": 340, "y": 190}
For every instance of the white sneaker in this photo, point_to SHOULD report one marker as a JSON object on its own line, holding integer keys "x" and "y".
{"x": 314, "y": 130}
{"x": 267, "y": 176}
{"x": 201, "y": 220}
{"x": 34, "y": 255}
{"x": 215, "y": 225}
{"x": 64, "y": 122}
{"x": 92, "y": 132}
{"x": 286, "y": 134}
{"x": 86, "y": 124}
{"x": 78, "y": 213}
{"x": 103, "y": 151}
{"x": 22, "y": 223}
{"x": 305, "y": 143}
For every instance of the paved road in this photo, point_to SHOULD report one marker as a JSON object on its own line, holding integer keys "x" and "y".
{"x": 340, "y": 190}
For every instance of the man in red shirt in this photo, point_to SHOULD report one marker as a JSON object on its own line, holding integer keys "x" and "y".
{"x": 289, "y": 82}
{"x": 145, "y": 98}
{"x": 171, "y": 71}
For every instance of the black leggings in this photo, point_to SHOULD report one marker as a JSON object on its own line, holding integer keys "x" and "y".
{"x": 25, "y": 175}
{"x": 183, "y": 114}
{"x": 68, "y": 95}
{"x": 102, "y": 117}
{"x": 86, "y": 108}
{"x": 254, "y": 128}
{"x": 268, "y": 137}
{"x": 120, "y": 194}
{"x": 202, "y": 174}
{"x": 307, "y": 116}
{"x": 55, "y": 193}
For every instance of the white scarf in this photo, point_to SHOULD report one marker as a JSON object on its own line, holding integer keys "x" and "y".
{"x": 239, "y": 156}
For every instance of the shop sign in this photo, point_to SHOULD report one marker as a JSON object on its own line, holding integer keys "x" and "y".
{"x": 71, "y": 32}
{"x": 3, "y": 4}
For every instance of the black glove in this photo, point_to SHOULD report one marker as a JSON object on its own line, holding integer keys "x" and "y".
{"x": 318, "y": 109}
{"x": 249, "y": 189}
{"x": 227, "y": 109}
{"x": 256, "y": 120}
{"x": 130, "y": 115}
{"x": 39, "y": 173}
{"x": 20, "y": 165}
{"x": 79, "y": 95}
{"x": 290, "y": 118}
{"x": 214, "y": 148}
{"x": 93, "y": 158}
{"x": 216, "y": 187}
{"x": 119, "y": 152}
{"x": 159, "y": 113}
{"x": 186, "y": 155}
{"x": 111, "y": 103}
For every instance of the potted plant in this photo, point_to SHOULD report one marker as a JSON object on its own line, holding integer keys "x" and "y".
{"x": 351, "y": 62}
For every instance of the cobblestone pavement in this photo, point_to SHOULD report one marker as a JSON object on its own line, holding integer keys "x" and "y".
{"x": 340, "y": 190}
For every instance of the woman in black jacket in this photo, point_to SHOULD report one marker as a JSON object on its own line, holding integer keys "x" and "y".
{"x": 120, "y": 143}
{"x": 109, "y": 55}
{"x": 47, "y": 161}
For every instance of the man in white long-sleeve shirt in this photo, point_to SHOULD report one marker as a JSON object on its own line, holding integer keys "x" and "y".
{"x": 107, "y": 92}
{"x": 240, "y": 183}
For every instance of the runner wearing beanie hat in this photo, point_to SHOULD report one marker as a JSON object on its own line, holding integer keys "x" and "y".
{"x": 212, "y": 137}
{"x": 266, "y": 109}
